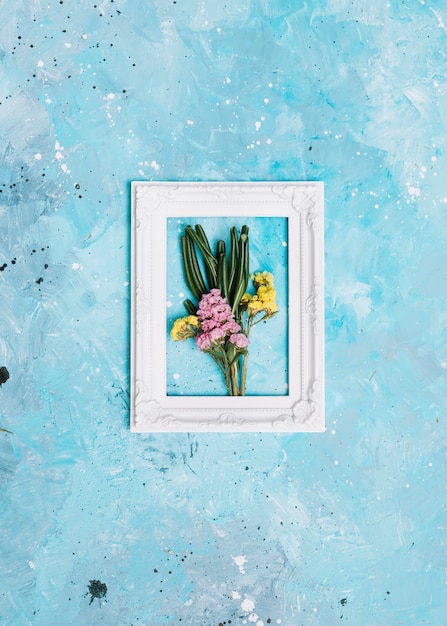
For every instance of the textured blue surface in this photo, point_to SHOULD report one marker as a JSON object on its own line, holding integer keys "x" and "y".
{"x": 347, "y": 526}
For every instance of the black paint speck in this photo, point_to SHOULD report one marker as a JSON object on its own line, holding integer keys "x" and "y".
{"x": 39, "y": 280}
{"x": 4, "y": 375}
{"x": 97, "y": 589}
{"x": 343, "y": 601}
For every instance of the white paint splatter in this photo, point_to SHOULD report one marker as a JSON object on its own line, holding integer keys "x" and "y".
{"x": 240, "y": 562}
{"x": 248, "y": 605}
{"x": 235, "y": 595}
{"x": 38, "y": 156}
{"x": 413, "y": 191}
{"x": 176, "y": 376}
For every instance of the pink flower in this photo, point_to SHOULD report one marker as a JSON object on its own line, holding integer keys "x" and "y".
{"x": 216, "y": 334}
{"x": 220, "y": 317}
{"x": 239, "y": 340}
{"x": 211, "y": 298}
{"x": 207, "y": 325}
{"x": 203, "y": 341}
{"x": 231, "y": 327}
{"x": 217, "y": 322}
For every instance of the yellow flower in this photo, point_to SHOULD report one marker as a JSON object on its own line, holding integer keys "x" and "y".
{"x": 264, "y": 279}
{"x": 255, "y": 306}
{"x": 270, "y": 307}
{"x": 184, "y": 328}
{"x": 264, "y": 299}
{"x": 245, "y": 301}
{"x": 265, "y": 293}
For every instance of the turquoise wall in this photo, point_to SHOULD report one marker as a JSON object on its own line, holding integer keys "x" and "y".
{"x": 98, "y": 526}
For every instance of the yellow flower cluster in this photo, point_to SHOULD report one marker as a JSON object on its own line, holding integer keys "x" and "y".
{"x": 265, "y": 297}
{"x": 185, "y": 327}
{"x": 263, "y": 279}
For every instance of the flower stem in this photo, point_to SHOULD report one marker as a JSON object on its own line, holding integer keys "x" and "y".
{"x": 220, "y": 360}
{"x": 234, "y": 383}
{"x": 245, "y": 363}
{"x": 244, "y": 374}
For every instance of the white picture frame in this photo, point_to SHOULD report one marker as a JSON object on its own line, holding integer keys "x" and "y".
{"x": 153, "y": 408}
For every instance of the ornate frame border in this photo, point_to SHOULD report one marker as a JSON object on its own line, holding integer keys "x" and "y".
{"x": 302, "y": 410}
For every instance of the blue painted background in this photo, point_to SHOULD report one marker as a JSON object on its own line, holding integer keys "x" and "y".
{"x": 343, "y": 527}
{"x": 192, "y": 372}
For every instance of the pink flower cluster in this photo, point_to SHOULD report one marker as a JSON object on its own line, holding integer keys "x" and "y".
{"x": 217, "y": 322}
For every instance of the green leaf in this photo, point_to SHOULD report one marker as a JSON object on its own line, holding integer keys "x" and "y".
{"x": 187, "y": 269}
{"x": 195, "y": 267}
{"x": 202, "y": 243}
{"x": 190, "y": 307}
{"x": 210, "y": 262}
{"x": 202, "y": 235}
{"x": 246, "y": 264}
{"x": 222, "y": 276}
{"x": 241, "y": 282}
{"x": 220, "y": 249}
{"x": 234, "y": 255}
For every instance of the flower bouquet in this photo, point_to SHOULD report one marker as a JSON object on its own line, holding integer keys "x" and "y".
{"x": 221, "y": 321}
